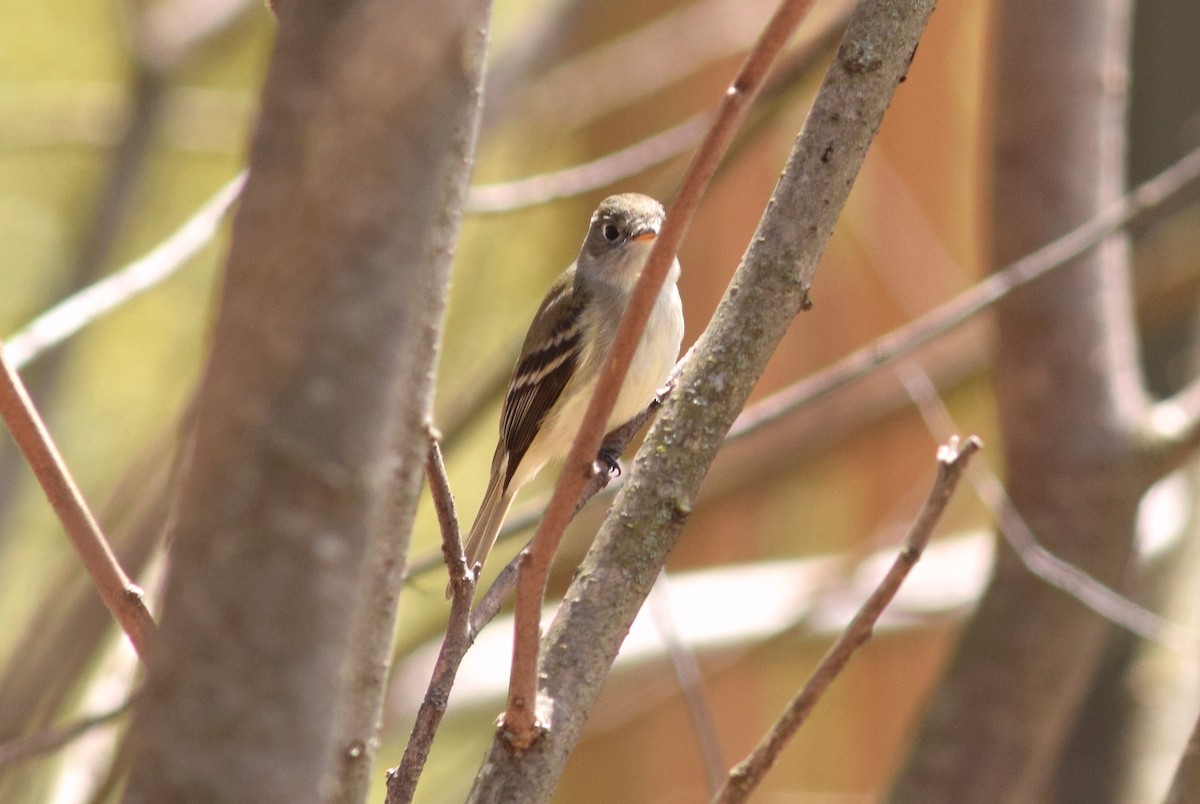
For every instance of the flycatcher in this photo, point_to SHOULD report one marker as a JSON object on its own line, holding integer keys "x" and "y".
{"x": 565, "y": 348}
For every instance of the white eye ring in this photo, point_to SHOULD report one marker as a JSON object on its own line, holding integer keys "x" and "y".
{"x": 611, "y": 232}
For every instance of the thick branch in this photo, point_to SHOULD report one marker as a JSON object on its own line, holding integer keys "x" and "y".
{"x": 313, "y": 399}
{"x": 1069, "y": 401}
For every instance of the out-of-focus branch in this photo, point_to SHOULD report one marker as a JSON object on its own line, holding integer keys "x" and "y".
{"x": 952, "y": 461}
{"x": 665, "y": 51}
{"x": 80, "y": 309}
{"x": 769, "y": 289}
{"x": 50, "y": 740}
{"x": 170, "y": 31}
{"x": 1182, "y": 178}
{"x": 1185, "y": 787}
{"x": 1069, "y": 402}
{"x": 1073, "y": 580}
{"x": 122, "y": 596}
{"x": 629, "y": 161}
{"x": 520, "y": 722}
{"x": 578, "y": 179}
{"x": 687, "y": 675}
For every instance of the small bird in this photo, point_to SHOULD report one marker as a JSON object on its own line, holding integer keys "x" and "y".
{"x": 566, "y": 347}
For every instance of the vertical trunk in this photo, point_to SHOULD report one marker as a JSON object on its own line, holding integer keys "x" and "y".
{"x": 1068, "y": 393}
{"x": 325, "y": 344}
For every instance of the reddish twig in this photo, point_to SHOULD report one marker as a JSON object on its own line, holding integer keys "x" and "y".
{"x": 465, "y": 623}
{"x": 952, "y": 462}
{"x": 520, "y": 723}
{"x": 122, "y": 596}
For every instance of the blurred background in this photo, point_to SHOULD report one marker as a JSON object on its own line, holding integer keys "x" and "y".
{"x": 119, "y": 121}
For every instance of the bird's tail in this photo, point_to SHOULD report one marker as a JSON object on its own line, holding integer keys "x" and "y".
{"x": 493, "y": 509}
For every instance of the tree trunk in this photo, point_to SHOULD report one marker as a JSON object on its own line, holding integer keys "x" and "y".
{"x": 325, "y": 345}
{"x": 1069, "y": 398}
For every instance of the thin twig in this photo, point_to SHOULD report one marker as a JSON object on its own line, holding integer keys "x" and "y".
{"x": 656, "y": 149}
{"x": 1107, "y": 602}
{"x": 520, "y": 722}
{"x": 80, "y": 309}
{"x": 1148, "y": 198}
{"x": 402, "y": 780}
{"x": 666, "y": 50}
{"x": 578, "y": 179}
{"x": 50, "y": 740}
{"x": 443, "y": 505}
{"x": 465, "y": 623}
{"x": 687, "y": 674}
{"x": 122, "y": 596}
{"x": 952, "y": 461}
{"x": 1175, "y": 425}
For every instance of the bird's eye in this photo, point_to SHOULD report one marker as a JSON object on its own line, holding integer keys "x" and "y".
{"x": 611, "y": 233}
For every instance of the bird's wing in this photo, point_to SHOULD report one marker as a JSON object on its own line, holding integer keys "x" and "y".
{"x": 542, "y": 373}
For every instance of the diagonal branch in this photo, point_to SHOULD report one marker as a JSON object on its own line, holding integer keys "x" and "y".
{"x": 1149, "y": 198}
{"x": 520, "y": 718}
{"x": 952, "y": 461}
{"x": 767, "y": 292}
{"x": 80, "y": 309}
{"x": 122, "y": 596}
{"x": 50, "y": 740}
{"x": 1061, "y": 574}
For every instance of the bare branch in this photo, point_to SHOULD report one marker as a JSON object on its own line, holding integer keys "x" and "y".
{"x": 50, "y": 740}
{"x": 687, "y": 675}
{"x": 608, "y": 169}
{"x": 767, "y": 292}
{"x": 629, "y": 161}
{"x": 1149, "y": 198}
{"x": 443, "y": 505}
{"x": 520, "y": 718}
{"x": 704, "y": 31}
{"x": 122, "y": 596}
{"x": 1040, "y": 561}
{"x": 402, "y": 780}
{"x": 952, "y": 461}
{"x": 77, "y": 311}
{"x": 310, "y": 415}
